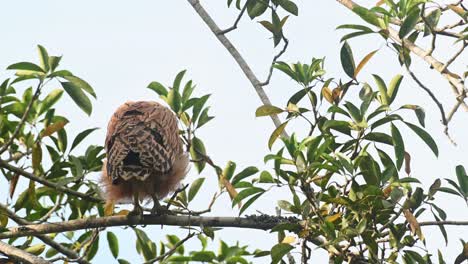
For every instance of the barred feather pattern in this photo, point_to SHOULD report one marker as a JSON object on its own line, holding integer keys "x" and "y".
{"x": 144, "y": 152}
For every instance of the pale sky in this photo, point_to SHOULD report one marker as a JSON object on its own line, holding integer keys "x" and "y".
{"x": 121, "y": 46}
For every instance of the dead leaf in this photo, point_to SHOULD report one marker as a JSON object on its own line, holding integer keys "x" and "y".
{"x": 13, "y": 182}
{"x": 53, "y": 128}
{"x": 327, "y": 94}
{"x": 407, "y": 163}
{"x": 414, "y": 224}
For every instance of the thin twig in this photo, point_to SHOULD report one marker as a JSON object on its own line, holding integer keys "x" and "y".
{"x": 444, "y": 120}
{"x": 172, "y": 250}
{"x": 21, "y": 255}
{"x": 234, "y": 26}
{"x": 282, "y": 51}
{"x": 455, "y": 56}
{"x": 49, "y": 241}
{"x": 237, "y": 57}
{"x": 47, "y": 183}
{"x": 23, "y": 118}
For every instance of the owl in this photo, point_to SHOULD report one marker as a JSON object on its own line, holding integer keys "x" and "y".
{"x": 145, "y": 155}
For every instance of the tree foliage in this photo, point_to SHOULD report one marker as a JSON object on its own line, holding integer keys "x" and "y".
{"x": 347, "y": 171}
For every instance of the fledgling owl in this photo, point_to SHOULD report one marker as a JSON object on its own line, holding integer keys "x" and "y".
{"x": 145, "y": 156}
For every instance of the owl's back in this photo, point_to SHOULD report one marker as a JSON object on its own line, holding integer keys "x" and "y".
{"x": 142, "y": 142}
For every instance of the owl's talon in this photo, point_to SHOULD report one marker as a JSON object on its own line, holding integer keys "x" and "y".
{"x": 137, "y": 211}
{"x": 160, "y": 210}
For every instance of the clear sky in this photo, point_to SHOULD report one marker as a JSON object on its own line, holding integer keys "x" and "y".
{"x": 120, "y": 46}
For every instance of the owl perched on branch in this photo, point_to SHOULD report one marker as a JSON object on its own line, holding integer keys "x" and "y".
{"x": 145, "y": 158}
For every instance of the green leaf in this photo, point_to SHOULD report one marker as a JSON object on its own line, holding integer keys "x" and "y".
{"x": 49, "y": 101}
{"x": 197, "y": 151}
{"x": 26, "y": 66}
{"x": 245, "y": 193}
{"x": 276, "y": 133}
{"x": 256, "y": 8}
{"x": 347, "y": 60}
{"x": 174, "y": 100}
{"x": 194, "y": 188}
{"x": 409, "y": 23}
{"x": 249, "y": 171}
{"x": 379, "y": 137}
{"x": 419, "y": 111}
{"x": 462, "y": 179}
{"x": 382, "y": 89}
{"x": 123, "y": 261}
{"x": 158, "y": 88}
{"x": 398, "y": 145}
{"x": 54, "y": 62}
{"x": 93, "y": 250}
{"x": 78, "y": 82}
{"x": 425, "y": 137}
{"x": 178, "y": 79}
{"x": 113, "y": 244}
{"x": 289, "y": 6}
{"x": 266, "y": 110}
{"x": 393, "y": 87}
{"x": 368, "y": 16}
{"x": 43, "y": 58}
{"x": 278, "y": 251}
{"x": 78, "y": 97}
{"x": 354, "y": 111}
{"x": 82, "y": 135}
{"x": 249, "y": 202}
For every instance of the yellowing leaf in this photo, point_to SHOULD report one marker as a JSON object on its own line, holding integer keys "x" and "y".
{"x": 327, "y": 94}
{"x": 289, "y": 240}
{"x": 109, "y": 208}
{"x": 229, "y": 188}
{"x": 333, "y": 218}
{"x": 414, "y": 224}
{"x": 13, "y": 182}
{"x": 36, "y": 156}
{"x": 53, "y": 128}
{"x": 124, "y": 212}
{"x": 387, "y": 191}
{"x": 3, "y": 219}
{"x": 363, "y": 62}
{"x": 407, "y": 163}
{"x": 379, "y": 3}
{"x": 336, "y": 93}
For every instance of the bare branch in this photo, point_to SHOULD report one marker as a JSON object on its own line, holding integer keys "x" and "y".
{"x": 283, "y": 50}
{"x": 237, "y": 57}
{"x": 261, "y": 222}
{"x": 455, "y": 56}
{"x": 234, "y": 26}
{"x": 21, "y": 255}
{"x": 47, "y": 183}
{"x": 445, "y": 121}
{"x": 49, "y": 241}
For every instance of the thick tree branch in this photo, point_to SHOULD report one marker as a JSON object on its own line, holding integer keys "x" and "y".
{"x": 21, "y": 255}
{"x": 49, "y": 241}
{"x": 236, "y": 55}
{"x": 261, "y": 222}
{"x": 47, "y": 183}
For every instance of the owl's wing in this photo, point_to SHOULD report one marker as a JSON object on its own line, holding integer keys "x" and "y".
{"x": 144, "y": 134}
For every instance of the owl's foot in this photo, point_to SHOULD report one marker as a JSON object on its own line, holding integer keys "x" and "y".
{"x": 160, "y": 210}
{"x": 137, "y": 211}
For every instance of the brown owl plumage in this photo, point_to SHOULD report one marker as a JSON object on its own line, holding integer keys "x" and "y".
{"x": 145, "y": 156}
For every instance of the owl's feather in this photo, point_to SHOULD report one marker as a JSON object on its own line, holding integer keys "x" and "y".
{"x": 144, "y": 152}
